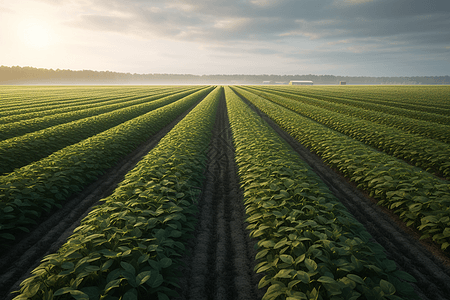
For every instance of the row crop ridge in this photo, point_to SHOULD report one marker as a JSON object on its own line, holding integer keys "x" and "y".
{"x": 362, "y": 103}
{"x": 310, "y": 247}
{"x": 418, "y": 197}
{"x": 38, "y": 187}
{"x": 428, "y": 154}
{"x": 23, "y": 150}
{"x": 14, "y": 129}
{"x": 425, "y": 128}
{"x": 56, "y": 104}
{"x": 19, "y": 101}
{"x": 435, "y": 110}
{"x": 129, "y": 246}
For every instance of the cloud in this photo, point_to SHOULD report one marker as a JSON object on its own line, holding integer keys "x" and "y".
{"x": 233, "y": 20}
{"x": 323, "y": 29}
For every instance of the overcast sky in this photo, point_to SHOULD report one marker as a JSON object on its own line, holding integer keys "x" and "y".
{"x": 284, "y": 37}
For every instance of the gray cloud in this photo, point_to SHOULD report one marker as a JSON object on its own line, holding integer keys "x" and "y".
{"x": 242, "y": 20}
{"x": 324, "y": 30}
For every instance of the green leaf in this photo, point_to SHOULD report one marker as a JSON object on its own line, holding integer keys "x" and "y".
{"x": 108, "y": 253}
{"x": 142, "y": 277}
{"x": 128, "y": 267}
{"x": 79, "y": 295}
{"x": 273, "y": 291}
{"x": 7, "y": 236}
{"x": 113, "y": 284}
{"x": 387, "y": 287}
{"x": 300, "y": 258}
{"x": 288, "y": 182}
{"x": 287, "y": 259}
{"x": 8, "y": 209}
{"x": 292, "y": 283}
{"x": 326, "y": 279}
{"x": 274, "y": 187}
{"x": 262, "y": 253}
{"x": 416, "y": 207}
{"x": 162, "y": 296}
{"x": 284, "y": 273}
{"x": 67, "y": 265}
{"x": 405, "y": 276}
{"x": 62, "y": 291}
{"x": 303, "y": 276}
{"x": 92, "y": 292}
{"x": 310, "y": 264}
{"x": 31, "y": 289}
{"x": 355, "y": 278}
{"x": 389, "y": 265}
{"x": 158, "y": 281}
{"x": 107, "y": 264}
{"x": 165, "y": 262}
{"x": 314, "y": 294}
{"x": 280, "y": 243}
{"x": 143, "y": 258}
{"x": 130, "y": 295}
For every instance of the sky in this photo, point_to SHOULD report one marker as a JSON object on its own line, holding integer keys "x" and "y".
{"x": 204, "y": 37}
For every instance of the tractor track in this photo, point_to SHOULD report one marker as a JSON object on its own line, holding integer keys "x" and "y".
{"x": 221, "y": 260}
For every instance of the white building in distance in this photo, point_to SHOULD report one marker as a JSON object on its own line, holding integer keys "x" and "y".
{"x": 300, "y": 82}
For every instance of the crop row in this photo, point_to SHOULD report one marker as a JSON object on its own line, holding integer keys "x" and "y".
{"x": 128, "y": 247}
{"x": 22, "y": 150}
{"x": 16, "y": 101}
{"x": 34, "y": 97}
{"x": 23, "y": 94}
{"x": 361, "y": 103}
{"x": 428, "y": 154}
{"x": 89, "y": 102}
{"x": 419, "y": 98}
{"x": 29, "y": 191}
{"x": 310, "y": 247}
{"x": 423, "y": 128}
{"x": 14, "y": 129}
{"x": 419, "y": 198}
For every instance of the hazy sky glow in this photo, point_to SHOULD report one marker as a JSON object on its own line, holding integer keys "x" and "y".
{"x": 336, "y": 37}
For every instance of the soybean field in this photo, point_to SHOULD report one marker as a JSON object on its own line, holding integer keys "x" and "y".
{"x": 225, "y": 192}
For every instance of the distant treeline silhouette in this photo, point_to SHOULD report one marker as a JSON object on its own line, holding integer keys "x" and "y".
{"x": 30, "y": 75}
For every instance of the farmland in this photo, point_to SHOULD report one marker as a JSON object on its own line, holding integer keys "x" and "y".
{"x": 235, "y": 192}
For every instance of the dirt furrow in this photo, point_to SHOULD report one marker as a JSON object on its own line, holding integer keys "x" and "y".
{"x": 17, "y": 263}
{"x": 221, "y": 260}
{"x": 432, "y": 275}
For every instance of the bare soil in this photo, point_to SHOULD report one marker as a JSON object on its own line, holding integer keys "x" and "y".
{"x": 219, "y": 260}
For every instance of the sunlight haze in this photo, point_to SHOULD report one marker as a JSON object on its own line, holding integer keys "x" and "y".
{"x": 336, "y": 37}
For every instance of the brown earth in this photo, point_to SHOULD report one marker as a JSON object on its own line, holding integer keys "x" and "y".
{"x": 220, "y": 258}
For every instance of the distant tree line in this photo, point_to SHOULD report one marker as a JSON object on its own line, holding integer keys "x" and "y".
{"x": 30, "y": 75}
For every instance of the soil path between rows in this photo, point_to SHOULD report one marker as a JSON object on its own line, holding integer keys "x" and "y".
{"x": 219, "y": 261}
{"x": 54, "y": 229}
{"x": 433, "y": 277}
